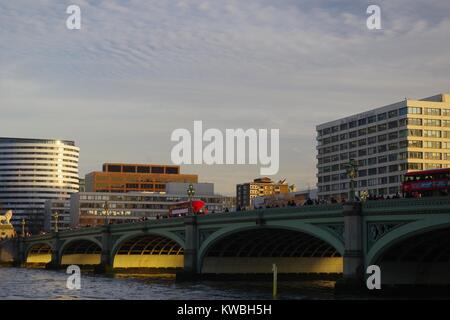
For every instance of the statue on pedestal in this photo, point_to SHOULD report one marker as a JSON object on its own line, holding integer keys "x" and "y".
{"x": 6, "y": 218}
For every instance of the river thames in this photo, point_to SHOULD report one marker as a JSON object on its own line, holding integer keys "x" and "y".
{"x": 21, "y": 283}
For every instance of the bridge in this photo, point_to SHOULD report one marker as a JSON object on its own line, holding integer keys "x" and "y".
{"x": 408, "y": 238}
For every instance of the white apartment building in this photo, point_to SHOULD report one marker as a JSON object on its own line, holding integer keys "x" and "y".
{"x": 33, "y": 171}
{"x": 386, "y": 143}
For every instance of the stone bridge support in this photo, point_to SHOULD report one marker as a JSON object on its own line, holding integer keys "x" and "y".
{"x": 353, "y": 273}
{"x": 55, "y": 262}
{"x": 106, "y": 259}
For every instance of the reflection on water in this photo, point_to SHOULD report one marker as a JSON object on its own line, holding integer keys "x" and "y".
{"x": 16, "y": 283}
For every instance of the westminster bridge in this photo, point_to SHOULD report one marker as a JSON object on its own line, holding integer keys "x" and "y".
{"x": 408, "y": 238}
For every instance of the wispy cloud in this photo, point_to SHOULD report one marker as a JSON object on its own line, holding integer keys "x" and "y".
{"x": 139, "y": 69}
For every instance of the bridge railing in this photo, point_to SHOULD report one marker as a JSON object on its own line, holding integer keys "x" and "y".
{"x": 412, "y": 205}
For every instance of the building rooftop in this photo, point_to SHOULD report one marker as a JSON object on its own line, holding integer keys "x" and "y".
{"x": 32, "y": 140}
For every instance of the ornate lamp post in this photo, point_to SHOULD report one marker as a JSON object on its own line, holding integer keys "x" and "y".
{"x": 23, "y": 227}
{"x": 106, "y": 208}
{"x": 352, "y": 173}
{"x": 56, "y": 216}
{"x": 190, "y": 192}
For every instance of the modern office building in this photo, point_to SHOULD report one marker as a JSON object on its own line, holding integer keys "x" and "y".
{"x": 88, "y": 208}
{"x": 33, "y": 171}
{"x": 121, "y": 177}
{"x": 61, "y": 208}
{"x": 246, "y": 192}
{"x": 385, "y": 143}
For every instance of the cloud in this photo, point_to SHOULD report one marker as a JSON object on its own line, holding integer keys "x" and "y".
{"x": 139, "y": 69}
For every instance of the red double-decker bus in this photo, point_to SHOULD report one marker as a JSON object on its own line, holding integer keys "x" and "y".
{"x": 426, "y": 183}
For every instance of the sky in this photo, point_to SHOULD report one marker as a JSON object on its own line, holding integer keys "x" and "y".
{"x": 137, "y": 70}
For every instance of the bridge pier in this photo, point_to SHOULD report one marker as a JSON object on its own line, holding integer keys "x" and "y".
{"x": 55, "y": 262}
{"x": 106, "y": 262}
{"x": 353, "y": 258}
{"x": 190, "y": 270}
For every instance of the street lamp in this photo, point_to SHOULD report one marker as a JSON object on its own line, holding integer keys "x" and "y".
{"x": 352, "y": 172}
{"x": 23, "y": 227}
{"x": 56, "y": 216}
{"x": 190, "y": 192}
{"x": 106, "y": 208}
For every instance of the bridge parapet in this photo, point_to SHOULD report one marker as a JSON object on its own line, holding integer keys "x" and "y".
{"x": 408, "y": 205}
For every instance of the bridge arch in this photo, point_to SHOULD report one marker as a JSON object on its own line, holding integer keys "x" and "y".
{"x": 160, "y": 249}
{"x": 39, "y": 253}
{"x": 80, "y": 251}
{"x": 404, "y": 232}
{"x": 302, "y": 248}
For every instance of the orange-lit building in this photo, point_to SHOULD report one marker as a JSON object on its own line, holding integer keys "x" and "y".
{"x": 124, "y": 177}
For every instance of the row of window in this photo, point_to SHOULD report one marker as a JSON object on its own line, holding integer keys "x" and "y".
{"x": 371, "y": 191}
{"x": 383, "y": 116}
{"x": 360, "y": 184}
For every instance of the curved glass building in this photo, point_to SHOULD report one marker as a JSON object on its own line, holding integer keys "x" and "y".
{"x": 33, "y": 171}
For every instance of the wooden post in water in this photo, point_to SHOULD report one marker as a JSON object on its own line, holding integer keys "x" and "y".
{"x": 275, "y": 280}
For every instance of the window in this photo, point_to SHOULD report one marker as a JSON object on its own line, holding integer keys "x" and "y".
{"x": 393, "y": 157}
{"x": 414, "y": 110}
{"x": 415, "y": 155}
{"x": 362, "y": 122}
{"x": 372, "y": 150}
{"x": 403, "y": 144}
{"x": 362, "y": 132}
{"x": 352, "y": 124}
{"x": 352, "y": 154}
{"x": 371, "y": 161}
{"x": 344, "y": 146}
{"x": 161, "y": 169}
{"x": 393, "y": 168}
{"x": 392, "y": 146}
{"x": 334, "y": 138}
{"x": 114, "y": 168}
{"x": 402, "y": 111}
{"x": 344, "y": 156}
{"x": 344, "y": 136}
{"x": 433, "y": 155}
{"x": 382, "y": 148}
{"x": 143, "y": 169}
{"x": 352, "y": 144}
{"x": 433, "y": 166}
{"x": 446, "y": 156}
{"x": 382, "y": 137}
{"x": 382, "y": 159}
{"x": 362, "y": 173}
{"x": 362, "y": 183}
{"x": 343, "y": 126}
{"x": 392, "y": 124}
{"x": 393, "y": 179}
{"x": 372, "y": 140}
{"x": 372, "y": 129}
{"x": 415, "y": 166}
{"x": 445, "y": 145}
{"x": 129, "y": 169}
{"x": 445, "y": 112}
{"x": 372, "y": 182}
{"x": 432, "y": 144}
{"x": 432, "y": 111}
{"x": 392, "y": 114}
{"x": 352, "y": 134}
{"x": 382, "y": 180}
{"x": 372, "y": 171}
{"x": 415, "y": 143}
{"x": 382, "y": 170}
{"x": 393, "y": 135}
{"x": 335, "y": 129}
{"x": 432, "y": 133}
{"x": 432, "y": 122}
{"x": 362, "y": 142}
{"x": 446, "y": 123}
{"x": 415, "y": 132}
{"x": 381, "y": 116}
{"x": 382, "y": 127}
{"x": 362, "y": 153}
{"x": 414, "y": 121}
{"x": 371, "y": 119}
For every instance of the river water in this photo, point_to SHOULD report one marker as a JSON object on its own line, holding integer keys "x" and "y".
{"x": 21, "y": 283}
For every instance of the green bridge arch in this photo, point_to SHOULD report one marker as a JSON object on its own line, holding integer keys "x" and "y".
{"x": 296, "y": 226}
{"x": 404, "y": 232}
